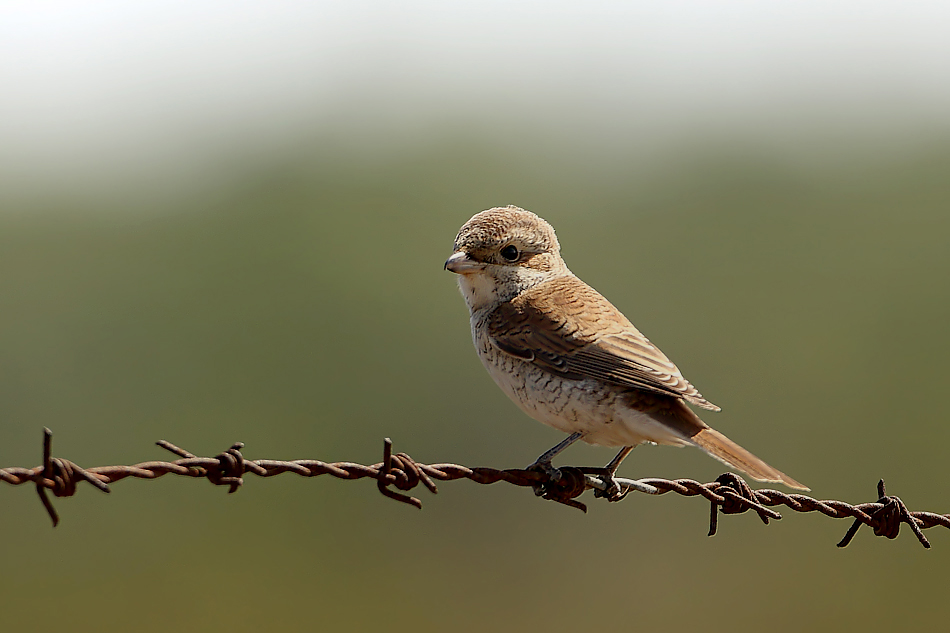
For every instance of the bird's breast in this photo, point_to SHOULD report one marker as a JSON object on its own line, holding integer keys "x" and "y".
{"x": 600, "y": 410}
{"x": 567, "y": 405}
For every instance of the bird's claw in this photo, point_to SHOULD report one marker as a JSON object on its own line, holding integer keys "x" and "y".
{"x": 552, "y": 474}
{"x": 612, "y": 490}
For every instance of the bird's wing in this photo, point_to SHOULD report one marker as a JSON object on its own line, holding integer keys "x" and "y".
{"x": 569, "y": 329}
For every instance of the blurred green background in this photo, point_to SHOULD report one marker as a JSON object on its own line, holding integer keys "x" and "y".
{"x": 227, "y": 223}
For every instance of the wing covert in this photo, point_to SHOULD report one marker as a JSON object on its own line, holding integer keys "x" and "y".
{"x": 569, "y": 329}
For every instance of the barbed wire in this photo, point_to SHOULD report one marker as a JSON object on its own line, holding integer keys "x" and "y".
{"x": 728, "y": 494}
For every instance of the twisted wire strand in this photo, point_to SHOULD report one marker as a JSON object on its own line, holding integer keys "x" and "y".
{"x": 728, "y": 494}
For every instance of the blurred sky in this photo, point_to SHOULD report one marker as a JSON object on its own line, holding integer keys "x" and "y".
{"x": 101, "y": 93}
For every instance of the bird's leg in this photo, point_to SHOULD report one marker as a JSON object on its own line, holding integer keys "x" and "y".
{"x": 612, "y": 489}
{"x": 547, "y": 456}
{"x": 543, "y": 463}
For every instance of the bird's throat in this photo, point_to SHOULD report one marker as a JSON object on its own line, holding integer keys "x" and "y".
{"x": 495, "y": 285}
{"x": 480, "y": 291}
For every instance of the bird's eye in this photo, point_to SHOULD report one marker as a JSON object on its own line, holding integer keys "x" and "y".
{"x": 510, "y": 253}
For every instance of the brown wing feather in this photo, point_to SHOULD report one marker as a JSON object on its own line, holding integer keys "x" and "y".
{"x": 569, "y": 329}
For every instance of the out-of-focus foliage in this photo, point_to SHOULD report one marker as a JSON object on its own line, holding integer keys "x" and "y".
{"x": 226, "y": 222}
{"x": 301, "y": 307}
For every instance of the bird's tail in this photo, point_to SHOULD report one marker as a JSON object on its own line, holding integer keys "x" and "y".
{"x": 729, "y": 453}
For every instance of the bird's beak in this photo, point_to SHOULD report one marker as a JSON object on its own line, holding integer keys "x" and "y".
{"x": 462, "y": 264}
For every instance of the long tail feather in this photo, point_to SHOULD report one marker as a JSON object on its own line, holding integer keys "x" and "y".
{"x": 728, "y": 452}
{"x": 696, "y": 432}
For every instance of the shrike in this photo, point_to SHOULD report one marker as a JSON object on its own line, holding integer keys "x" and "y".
{"x": 568, "y": 358}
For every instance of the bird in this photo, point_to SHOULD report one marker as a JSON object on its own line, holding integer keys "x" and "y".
{"x": 571, "y": 360}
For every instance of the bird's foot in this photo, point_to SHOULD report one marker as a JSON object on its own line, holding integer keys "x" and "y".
{"x": 612, "y": 490}
{"x": 552, "y": 474}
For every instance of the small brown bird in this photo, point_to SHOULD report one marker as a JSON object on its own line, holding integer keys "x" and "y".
{"x": 570, "y": 359}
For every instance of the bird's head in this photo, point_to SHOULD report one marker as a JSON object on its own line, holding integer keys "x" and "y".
{"x": 502, "y": 252}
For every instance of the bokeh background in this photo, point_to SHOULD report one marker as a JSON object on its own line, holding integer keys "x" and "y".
{"x": 226, "y": 221}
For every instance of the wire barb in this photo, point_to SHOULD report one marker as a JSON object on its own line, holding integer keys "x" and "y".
{"x": 59, "y": 476}
{"x": 409, "y": 475}
{"x": 888, "y": 514}
{"x": 728, "y": 494}
{"x": 737, "y": 497}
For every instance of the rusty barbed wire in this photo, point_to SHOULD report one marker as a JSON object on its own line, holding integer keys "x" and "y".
{"x": 728, "y": 494}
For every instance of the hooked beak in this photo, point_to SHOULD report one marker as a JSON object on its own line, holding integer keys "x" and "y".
{"x": 462, "y": 264}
